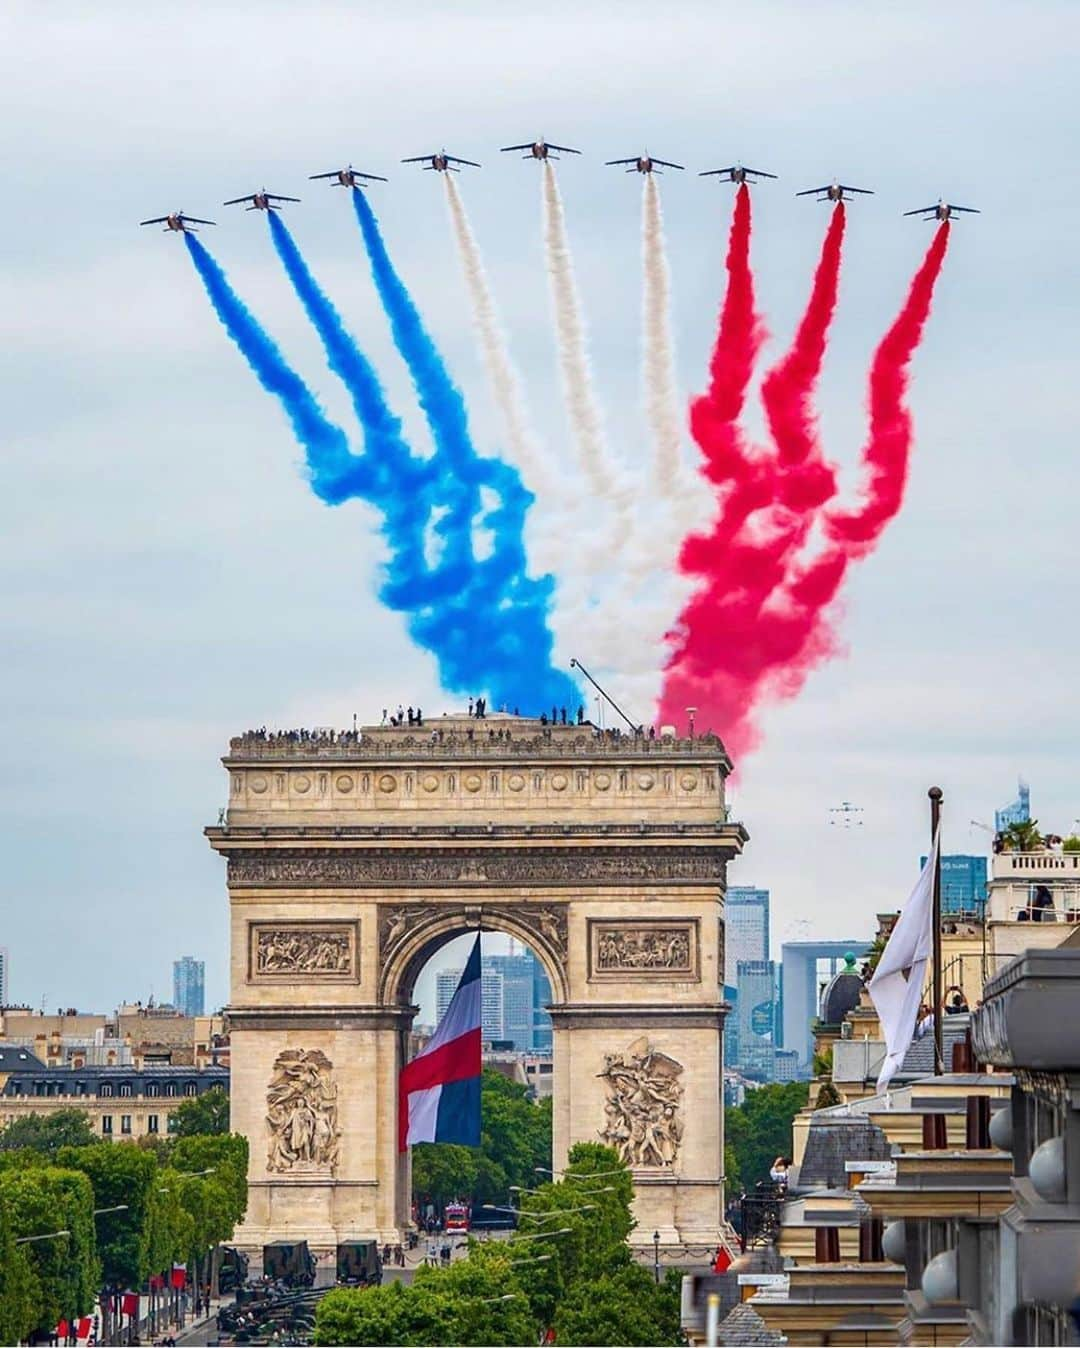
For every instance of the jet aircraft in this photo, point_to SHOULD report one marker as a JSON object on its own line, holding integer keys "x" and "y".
{"x": 441, "y": 162}
{"x": 643, "y": 164}
{"x": 539, "y": 149}
{"x": 261, "y": 201}
{"x": 943, "y": 210}
{"x": 834, "y": 192}
{"x": 347, "y": 177}
{"x": 178, "y": 221}
{"x": 737, "y": 173}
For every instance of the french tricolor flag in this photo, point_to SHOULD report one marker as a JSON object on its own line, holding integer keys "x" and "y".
{"x": 439, "y": 1092}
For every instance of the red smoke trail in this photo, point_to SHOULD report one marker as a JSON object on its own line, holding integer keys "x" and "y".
{"x": 759, "y": 623}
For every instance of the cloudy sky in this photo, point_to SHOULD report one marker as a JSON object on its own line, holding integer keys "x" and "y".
{"x": 169, "y": 578}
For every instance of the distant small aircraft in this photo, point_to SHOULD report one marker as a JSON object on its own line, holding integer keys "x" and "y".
{"x": 539, "y": 149}
{"x": 441, "y": 162}
{"x": 737, "y": 173}
{"x": 261, "y": 201}
{"x": 846, "y": 814}
{"x": 943, "y": 210}
{"x": 179, "y": 221}
{"x": 644, "y": 163}
{"x": 347, "y": 177}
{"x": 834, "y": 192}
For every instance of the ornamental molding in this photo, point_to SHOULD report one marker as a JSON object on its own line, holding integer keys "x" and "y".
{"x": 464, "y": 867}
{"x": 302, "y": 1114}
{"x": 651, "y": 947}
{"x": 314, "y": 952}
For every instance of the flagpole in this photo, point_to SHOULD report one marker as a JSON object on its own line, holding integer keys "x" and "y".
{"x": 935, "y": 793}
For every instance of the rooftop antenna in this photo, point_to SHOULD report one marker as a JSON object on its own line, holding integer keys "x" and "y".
{"x": 576, "y": 664}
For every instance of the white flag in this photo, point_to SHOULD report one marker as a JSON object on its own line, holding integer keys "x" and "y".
{"x": 896, "y": 988}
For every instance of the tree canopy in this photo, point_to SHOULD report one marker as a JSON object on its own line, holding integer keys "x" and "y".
{"x": 759, "y": 1130}
{"x": 47, "y": 1133}
{"x": 202, "y": 1115}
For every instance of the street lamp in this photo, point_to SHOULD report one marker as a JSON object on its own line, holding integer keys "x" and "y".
{"x": 585, "y": 1175}
{"x": 540, "y": 1235}
{"x": 558, "y": 1212}
{"x": 656, "y": 1255}
{"x": 490, "y": 1301}
{"x": 120, "y": 1207}
{"x": 49, "y": 1235}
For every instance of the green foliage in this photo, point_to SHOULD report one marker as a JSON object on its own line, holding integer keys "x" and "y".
{"x": 120, "y": 1174}
{"x": 827, "y": 1096}
{"x": 202, "y": 1115}
{"x": 732, "y": 1174}
{"x": 462, "y": 1304}
{"x": 20, "y": 1291}
{"x": 759, "y": 1129}
{"x": 47, "y": 1133}
{"x": 624, "y": 1307}
{"x": 515, "y": 1139}
{"x": 1071, "y": 843}
{"x": 823, "y": 1062}
{"x": 40, "y": 1199}
{"x": 1023, "y": 836}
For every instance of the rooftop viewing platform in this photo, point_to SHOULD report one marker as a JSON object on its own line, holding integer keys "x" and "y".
{"x": 496, "y": 735}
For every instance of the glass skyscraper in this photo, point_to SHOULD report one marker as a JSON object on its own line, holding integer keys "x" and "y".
{"x": 515, "y": 990}
{"x": 746, "y": 928}
{"x": 963, "y": 885}
{"x": 189, "y": 985}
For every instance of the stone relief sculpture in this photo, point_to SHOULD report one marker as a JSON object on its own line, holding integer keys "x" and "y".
{"x": 630, "y": 949}
{"x": 283, "y": 950}
{"x": 546, "y": 920}
{"x": 302, "y": 1112}
{"x": 643, "y": 1112}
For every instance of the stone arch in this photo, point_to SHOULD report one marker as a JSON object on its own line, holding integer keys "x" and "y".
{"x": 404, "y": 958}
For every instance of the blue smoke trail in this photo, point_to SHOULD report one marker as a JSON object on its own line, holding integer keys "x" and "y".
{"x": 479, "y": 620}
{"x": 498, "y": 623}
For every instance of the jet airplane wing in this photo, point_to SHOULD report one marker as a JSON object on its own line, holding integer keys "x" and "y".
{"x": 668, "y": 164}
{"x": 632, "y": 160}
{"x": 157, "y": 220}
{"x": 924, "y": 209}
{"x": 564, "y": 148}
{"x": 194, "y": 219}
{"x": 811, "y": 191}
{"x": 453, "y": 159}
{"x": 503, "y": 148}
{"x": 968, "y": 210}
{"x": 237, "y": 200}
{"x": 273, "y": 196}
{"x": 865, "y": 191}
{"x": 417, "y": 159}
{"x": 312, "y": 177}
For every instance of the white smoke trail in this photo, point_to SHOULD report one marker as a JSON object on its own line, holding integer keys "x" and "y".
{"x": 505, "y": 384}
{"x": 658, "y": 355}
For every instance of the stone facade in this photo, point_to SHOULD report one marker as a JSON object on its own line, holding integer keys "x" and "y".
{"x": 350, "y": 862}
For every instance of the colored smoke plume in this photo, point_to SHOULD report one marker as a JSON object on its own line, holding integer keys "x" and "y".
{"x": 658, "y": 348}
{"x": 758, "y": 622}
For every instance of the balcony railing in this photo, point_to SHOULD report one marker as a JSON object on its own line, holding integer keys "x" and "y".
{"x": 1005, "y": 864}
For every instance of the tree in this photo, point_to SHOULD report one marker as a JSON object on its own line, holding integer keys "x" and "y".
{"x": 475, "y": 1301}
{"x": 20, "y": 1291}
{"x": 47, "y": 1133}
{"x": 1023, "y": 836}
{"x": 624, "y": 1307}
{"x": 442, "y": 1171}
{"x": 827, "y": 1096}
{"x": 41, "y": 1200}
{"x": 120, "y": 1175}
{"x": 202, "y": 1115}
{"x": 759, "y": 1129}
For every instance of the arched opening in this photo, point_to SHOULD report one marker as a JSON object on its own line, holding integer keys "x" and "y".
{"x": 450, "y": 1190}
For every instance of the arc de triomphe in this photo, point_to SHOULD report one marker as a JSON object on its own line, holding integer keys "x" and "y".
{"x": 351, "y": 860}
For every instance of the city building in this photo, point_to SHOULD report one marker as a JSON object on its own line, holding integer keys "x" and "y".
{"x": 807, "y": 968}
{"x": 1019, "y": 812}
{"x": 746, "y": 928}
{"x": 756, "y": 1017}
{"x": 963, "y": 885}
{"x": 491, "y": 999}
{"x": 514, "y": 992}
{"x": 189, "y": 982}
{"x": 785, "y": 1065}
{"x": 121, "y": 1102}
{"x": 4, "y": 971}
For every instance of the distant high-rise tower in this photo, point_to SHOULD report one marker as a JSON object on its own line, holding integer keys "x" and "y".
{"x": 3, "y": 975}
{"x": 746, "y": 928}
{"x": 756, "y": 982}
{"x": 963, "y": 885}
{"x": 189, "y": 985}
{"x": 491, "y": 1000}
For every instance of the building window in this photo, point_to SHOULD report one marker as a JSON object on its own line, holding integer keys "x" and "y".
{"x": 170, "y": 1123}
{"x": 152, "y": 1088}
{"x": 151, "y": 1123}
{"x": 125, "y": 1124}
{"x": 125, "y": 1088}
{"x": 106, "y": 1124}
{"x": 106, "y": 1088}
{"x": 190, "y": 1088}
{"x": 170, "y": 1088}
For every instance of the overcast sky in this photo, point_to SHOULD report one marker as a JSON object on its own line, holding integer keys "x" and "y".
{"x": 169, "y": 577}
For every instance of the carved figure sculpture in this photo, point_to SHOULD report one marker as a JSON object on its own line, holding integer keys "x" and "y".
{"x": 302, "y": 1112}
{"x": 643, "y": 1109}
{"x": 666, "y": 948}
{"x": 281, "y": 951}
